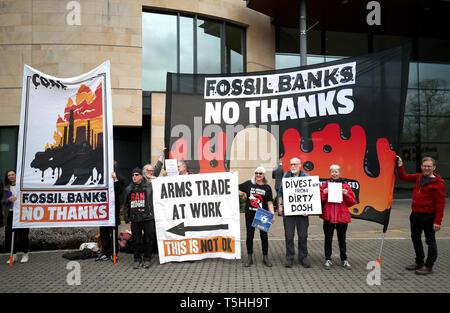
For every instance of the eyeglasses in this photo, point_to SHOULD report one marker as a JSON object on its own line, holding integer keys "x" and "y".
{"x": 258, "y": 173}
{"x": 294, "y": 164}
{"x": 135, "y": 174}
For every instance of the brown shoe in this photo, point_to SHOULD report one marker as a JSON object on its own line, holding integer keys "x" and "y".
{"x": 424, "y": 270}
{"x": 414, "y": 267}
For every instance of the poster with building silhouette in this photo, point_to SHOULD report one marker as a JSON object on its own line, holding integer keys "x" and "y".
{"x": 65, "y": 151}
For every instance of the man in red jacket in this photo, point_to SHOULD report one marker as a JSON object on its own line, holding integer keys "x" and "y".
{"x": 428, "y": 204}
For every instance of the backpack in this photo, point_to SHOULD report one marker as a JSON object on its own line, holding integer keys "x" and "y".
{"x": 126, "y": 242}
{"x": 79, "y": 254}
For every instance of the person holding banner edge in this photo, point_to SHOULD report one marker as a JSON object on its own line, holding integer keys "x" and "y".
{"x": 428, "y": 203}
{"x": 21, "y": 235}
{"x": 139, "y": 211}
{"x": 259, "y": 195}
{"x": 336, "y": 215}
{"x": 301, "y": 222}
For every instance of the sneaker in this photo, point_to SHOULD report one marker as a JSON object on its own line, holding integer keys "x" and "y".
{"x": 346, "y": 265}
{"x": 14, "y": 259}
{"x": 424, "y": 270}
{"x": 147, "y": 264}
{"x": 328, "y": 264}
{"x": 102, "y": 258}
{"x": 305, "y": 262}
{"x": 289, "y": 264}
{"x": 136, "y": 265}
{"x": 413, "y": 267}
{"x": 25, "y": 258}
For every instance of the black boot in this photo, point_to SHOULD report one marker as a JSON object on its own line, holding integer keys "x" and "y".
{"x": 266, "y": 261}
{"x": 249, "y": 260}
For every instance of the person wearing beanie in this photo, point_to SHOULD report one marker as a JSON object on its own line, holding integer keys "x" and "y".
{"x": 138, "y": 210}
{"x": 259, "y": 195}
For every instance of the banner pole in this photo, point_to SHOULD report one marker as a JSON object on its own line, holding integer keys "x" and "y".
{"x": 381, "y": 249}
{"x": 114, "y": 245}
{"x": 11, "y": 256}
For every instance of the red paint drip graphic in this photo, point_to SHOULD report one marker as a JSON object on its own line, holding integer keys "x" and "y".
{"x": 330, "y": 148}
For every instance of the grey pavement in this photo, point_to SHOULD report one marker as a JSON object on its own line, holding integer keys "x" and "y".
{"x": 47, "y": 271}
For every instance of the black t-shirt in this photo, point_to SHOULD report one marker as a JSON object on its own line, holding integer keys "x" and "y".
{"x": 257, "y": 195}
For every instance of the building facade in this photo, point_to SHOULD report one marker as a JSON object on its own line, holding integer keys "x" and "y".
{"x": 145, "y": 39}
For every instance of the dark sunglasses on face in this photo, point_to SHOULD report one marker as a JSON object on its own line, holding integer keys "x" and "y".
{"x": 135, "y": 174}
{"x": 258, "y": 173}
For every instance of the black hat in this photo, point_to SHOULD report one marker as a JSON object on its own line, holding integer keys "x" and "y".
{"x": 137, "y": 170}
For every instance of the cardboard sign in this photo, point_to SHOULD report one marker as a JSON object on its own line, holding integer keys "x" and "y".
{"x": 301, "y": 195}
{"x": 197, "y": 217}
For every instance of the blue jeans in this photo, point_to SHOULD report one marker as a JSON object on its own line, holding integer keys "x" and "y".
{"x": 301, "y": 223}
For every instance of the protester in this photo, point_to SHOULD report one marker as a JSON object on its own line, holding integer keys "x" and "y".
{"x": 4, "y": 195}
{"x": 183, "y": 168}
{"x": 427, "y": 206}
{"x": 139, "y": 211}
{"x": 21, "y": 240}
{"x": 336, "y": 215}
{"x": 107, "y": 232}
{"x": 259, "y": 195}
{"x": 301, "y": 222}
{"x": 151, "y": 172}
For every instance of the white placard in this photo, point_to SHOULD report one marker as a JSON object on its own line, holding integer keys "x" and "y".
{"x": 335, "y": 192}
{"x": 172, "y": 167}
{"x": 301, "y": 195}
{"x": 197, "y": 217}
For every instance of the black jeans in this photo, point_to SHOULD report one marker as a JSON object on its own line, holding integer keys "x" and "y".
{"x": 21, "y": 240}
{"x": 249, "y": 216}
{"x": 423, "y": 222}
{"x": 341, "y": 230}
{"x": 143, "y": 242}
{"x": 106, "y": 236}
{"x": 301, "y": 223}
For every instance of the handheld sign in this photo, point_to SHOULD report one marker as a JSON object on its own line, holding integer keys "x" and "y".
{"x": 197, "y": 216}
{"x": 171, "y": 167}
{"x": 335, "y": 192}
{"x": 262, "y": 220}
{"x": 301, "y": 195}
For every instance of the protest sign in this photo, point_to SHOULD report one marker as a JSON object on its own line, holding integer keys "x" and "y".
{"x": 301, "y": 195}
{"x": 65, "y": 151}
{"x": 262, "y": 220}
{"x": 197, "y": 216}
{"x": 171, "y": 167}
{"x": 335, "y": 192}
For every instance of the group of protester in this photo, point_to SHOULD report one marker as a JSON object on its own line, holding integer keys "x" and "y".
{"x": 428, "y": 204}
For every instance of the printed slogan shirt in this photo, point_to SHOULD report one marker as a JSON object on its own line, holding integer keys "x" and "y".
{"x": 257, "y": 195}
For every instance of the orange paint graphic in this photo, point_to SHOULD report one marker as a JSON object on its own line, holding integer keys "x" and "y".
{"x": 330, "y": 148}
{"x": 196, "y": 246}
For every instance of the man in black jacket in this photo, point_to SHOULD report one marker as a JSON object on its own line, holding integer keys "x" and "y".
{"x": 139, "y": 211}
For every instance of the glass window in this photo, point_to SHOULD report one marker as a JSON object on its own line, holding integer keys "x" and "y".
{"x": 8, "y": 149}
{"x": 285, "y": 60}
{"x": 288, "y": 41}
{"x": 434, "y": 129}
{"x": 159, "y": 49}
{"x": 234, "y": 49}
{"x": 434, "y": 75}
{"x": 346, "y": 44}
{"x": 186, "y": 44}
{"x": 208, "y": 47}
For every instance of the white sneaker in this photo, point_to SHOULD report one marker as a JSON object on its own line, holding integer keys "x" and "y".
{"x": 25, "y": 258}
{"x": 328, "y": 264}
{"x": 346, "y": 265}
{"x": 14, "y": 259}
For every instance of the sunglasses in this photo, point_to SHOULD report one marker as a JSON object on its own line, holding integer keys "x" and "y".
{"x": 259, "y": 173}
{"x": 135, "y": 174}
